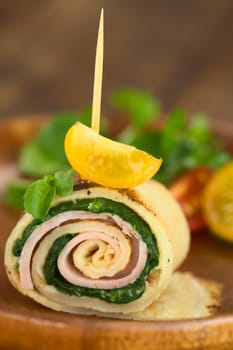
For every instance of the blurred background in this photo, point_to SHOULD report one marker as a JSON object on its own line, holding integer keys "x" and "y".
{"x": 181, "y": 51}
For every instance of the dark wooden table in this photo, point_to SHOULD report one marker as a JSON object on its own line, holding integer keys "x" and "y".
{"x": 182, "y": 51}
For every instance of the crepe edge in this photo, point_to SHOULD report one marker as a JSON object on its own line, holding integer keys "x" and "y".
{"x": 212, "y": 295}
{"x": 215, "y": 290}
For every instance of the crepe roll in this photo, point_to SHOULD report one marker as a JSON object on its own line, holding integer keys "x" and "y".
{"x": 99, "y": 250}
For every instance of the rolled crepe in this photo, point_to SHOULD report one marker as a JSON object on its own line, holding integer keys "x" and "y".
{"x": 185, "y": 297}
{"x": 99, "y": 250}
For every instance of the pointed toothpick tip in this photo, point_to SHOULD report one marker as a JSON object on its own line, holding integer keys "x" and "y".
{"x": 97, "y": 90}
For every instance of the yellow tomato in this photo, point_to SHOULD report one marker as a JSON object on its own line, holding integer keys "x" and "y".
{"x": 217, "y": 203}
{"x": 106, "y": 162}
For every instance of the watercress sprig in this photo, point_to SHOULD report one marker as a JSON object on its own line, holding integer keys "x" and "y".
{"x": 40, "y": 193}
{"x": 45, "y": 153}
{"x": 183, "y": 144}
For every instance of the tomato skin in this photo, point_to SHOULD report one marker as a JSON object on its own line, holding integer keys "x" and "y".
{"x": 187, "y": 190}
{"x": 217, "y": 203}
{"x": 106, "y": 162}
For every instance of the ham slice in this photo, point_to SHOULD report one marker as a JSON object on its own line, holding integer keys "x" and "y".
{"x": 70, "y": 273}
{"x": 67, "y": 269}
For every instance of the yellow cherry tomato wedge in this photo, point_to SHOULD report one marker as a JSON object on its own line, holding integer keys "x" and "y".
{"x": 217, "y": 203}
{"x": 106, "y": 162}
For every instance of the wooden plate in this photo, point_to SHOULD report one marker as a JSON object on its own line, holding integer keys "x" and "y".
{"x": 27, "y": 325}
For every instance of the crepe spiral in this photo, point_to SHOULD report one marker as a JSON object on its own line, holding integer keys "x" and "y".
{"x": 99, "y": 249}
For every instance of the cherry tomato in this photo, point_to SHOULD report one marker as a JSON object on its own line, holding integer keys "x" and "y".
{"x": 187, "y": 190}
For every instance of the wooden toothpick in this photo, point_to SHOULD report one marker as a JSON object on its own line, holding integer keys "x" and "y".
{"x": 96, "y": 104}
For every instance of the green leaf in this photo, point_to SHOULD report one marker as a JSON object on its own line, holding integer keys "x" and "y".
{"x": 34, "y": 161}
{"x": 182, "y": 144}
{"x": 38, "y": 198}
{"x": 64, "y": 182}
{"x": 15, "y": 192}
{"x": 40, "y": 194}
{"x": 141, "y": 107}
{"x": 45, "y": 154}
{"x": 219, "y": 159}
{"x": 85, "y": 116}
{"x": 198, "y": 131}
{"x": 50, "y": 139}
{"x": 173, "y": 132}
{"x": 148, "y": 141}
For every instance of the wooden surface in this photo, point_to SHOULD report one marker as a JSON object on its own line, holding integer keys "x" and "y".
{"x": 25, "y": 325}
{"x": 180, "y": 50}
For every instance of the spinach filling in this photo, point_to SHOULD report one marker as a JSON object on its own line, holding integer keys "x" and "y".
{"x": 96, "y": 205}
